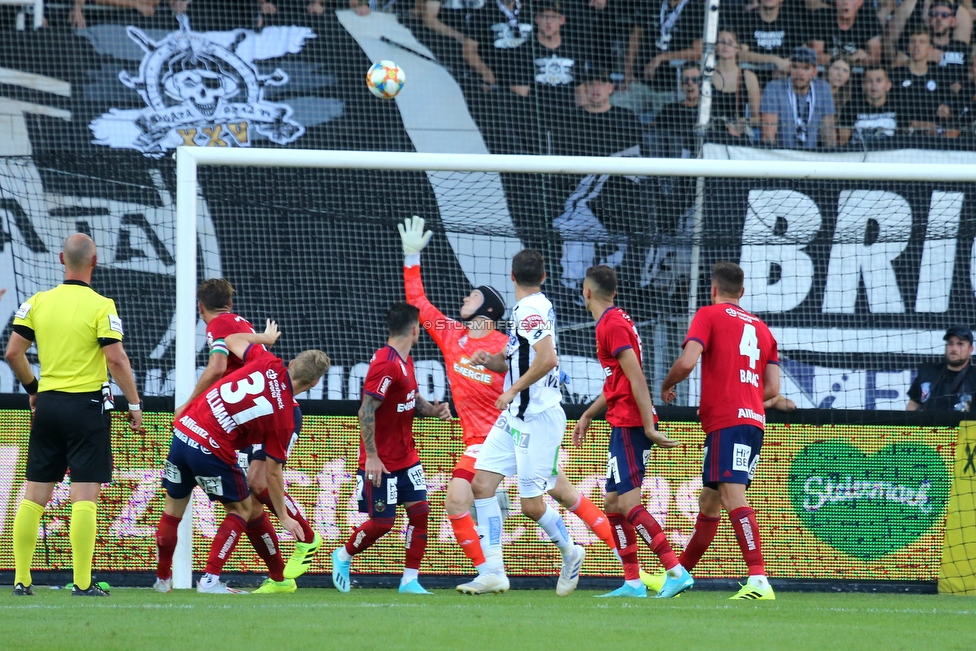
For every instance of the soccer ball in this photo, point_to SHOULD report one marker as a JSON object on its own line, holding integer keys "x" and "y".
{"x": 385, "y": 79}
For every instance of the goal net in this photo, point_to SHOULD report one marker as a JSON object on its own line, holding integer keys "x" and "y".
{"x": 858, "y": 269}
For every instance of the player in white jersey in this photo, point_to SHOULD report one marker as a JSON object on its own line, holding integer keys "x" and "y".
{"x": 526, "y": 437}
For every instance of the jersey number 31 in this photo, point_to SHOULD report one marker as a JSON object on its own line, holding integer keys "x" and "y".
{"x": 252, "y": 385}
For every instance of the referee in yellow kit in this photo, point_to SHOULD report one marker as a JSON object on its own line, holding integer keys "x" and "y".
{"x": 77, "y": 332}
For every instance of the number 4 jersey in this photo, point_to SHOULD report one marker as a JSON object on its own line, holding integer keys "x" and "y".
{"x": 737, "y": 346}
{"x": 252, "y": 405}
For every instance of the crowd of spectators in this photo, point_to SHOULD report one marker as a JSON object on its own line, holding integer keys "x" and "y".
{"x": 789, "y": 73}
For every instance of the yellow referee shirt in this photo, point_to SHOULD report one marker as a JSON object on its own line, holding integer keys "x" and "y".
{"x": 70, "y": 323}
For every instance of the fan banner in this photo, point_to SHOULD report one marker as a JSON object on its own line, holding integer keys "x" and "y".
{"x": 831, "y": 502}
{"x": 857, "y": 280}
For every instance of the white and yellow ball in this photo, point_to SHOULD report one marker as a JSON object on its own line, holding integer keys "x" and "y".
{"x": 385, "y": 79}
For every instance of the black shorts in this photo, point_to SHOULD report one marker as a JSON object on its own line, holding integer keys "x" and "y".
{"x": 70, "y": 432}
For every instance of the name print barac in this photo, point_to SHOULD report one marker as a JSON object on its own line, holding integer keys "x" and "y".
{"x": 840, "y": 271}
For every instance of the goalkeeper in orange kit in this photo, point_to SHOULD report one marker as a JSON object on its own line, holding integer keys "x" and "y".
{"x": 475, "y": 390}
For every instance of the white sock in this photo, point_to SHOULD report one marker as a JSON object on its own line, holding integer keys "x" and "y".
{"x": 759, "y": 581}
{"x": 676, "y": 571}
{"x": 409, "y": 574}
{"x": 553, "y": 525}
{"x": 634, "y": 583}
{"x": 209, "y": 580}
{"x": 490, "y": 532}
{"x": 343, "y": 555}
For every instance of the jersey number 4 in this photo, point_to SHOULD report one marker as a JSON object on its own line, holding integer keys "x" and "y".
{"x": 749, "y": 344}
{"x": 253, "y": 385}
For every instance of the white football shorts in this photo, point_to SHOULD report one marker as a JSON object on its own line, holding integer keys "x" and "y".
{"x": 527, "y": 448}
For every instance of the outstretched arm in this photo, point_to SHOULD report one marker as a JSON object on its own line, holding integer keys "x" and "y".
{"x": 642, "y": 396}
{"x": 681, "y": 369}
{"x": 414, "y": 239}
{"x": 276, "y": 491}
{"x": 238, "y": 342}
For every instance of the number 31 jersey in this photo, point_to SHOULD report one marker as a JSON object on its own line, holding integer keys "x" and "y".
{"x": 252, "y": 405}
{"x": 737, "y": 346}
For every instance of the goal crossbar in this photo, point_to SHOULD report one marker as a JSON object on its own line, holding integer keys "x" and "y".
{"x": 407, "y": 161}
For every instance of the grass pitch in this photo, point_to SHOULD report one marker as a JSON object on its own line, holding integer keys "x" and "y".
{"x": 524, "y": 620}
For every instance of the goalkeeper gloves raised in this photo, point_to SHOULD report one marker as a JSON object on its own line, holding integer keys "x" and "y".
{"x": 413, "y": 235}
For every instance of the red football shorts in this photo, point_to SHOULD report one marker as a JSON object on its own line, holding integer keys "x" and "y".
{"x": 464, "y": 468}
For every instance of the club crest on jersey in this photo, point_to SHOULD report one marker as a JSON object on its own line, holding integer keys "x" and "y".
{"x": 379, "y": 506}
{"x": 532, "y": 322}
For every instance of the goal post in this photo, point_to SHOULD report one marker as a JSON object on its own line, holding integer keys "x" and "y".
{"x": 488, "y": 249}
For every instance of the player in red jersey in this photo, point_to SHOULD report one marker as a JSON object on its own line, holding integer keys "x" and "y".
{"x": 389, "y": 467}
{"x": 475, "y": 389}
{"x": 740, "y": 369}
{"x": 252, "y": 405}
{"x": 215, "y": 300}
{"x": 631, "y": 414}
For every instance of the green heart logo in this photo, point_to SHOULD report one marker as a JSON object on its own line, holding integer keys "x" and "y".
{"x": 868, "y": 505}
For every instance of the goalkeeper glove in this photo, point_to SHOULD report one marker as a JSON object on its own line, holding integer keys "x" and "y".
{"x": 413, "y": 235}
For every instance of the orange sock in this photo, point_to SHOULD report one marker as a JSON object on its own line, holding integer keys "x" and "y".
{"x": 466, "y": 534}
{"x": 595, "y": 519}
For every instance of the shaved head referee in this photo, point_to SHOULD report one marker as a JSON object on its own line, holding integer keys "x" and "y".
{"x": 78, "y": 334}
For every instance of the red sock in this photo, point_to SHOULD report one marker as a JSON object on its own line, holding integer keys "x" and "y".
{"x": 595, "y": 519}
{"x": 747, "y": 535}
{"x": 228, "y": 535}
{"x": 653, "y": 535}
{"x": 701, "y": 538}
{"x": 626, "y": 539}
{"x": 166, "y": 545}
{"x": 307, "y": 532}
{"x": 265, "y": 541}
{"x": 416, "y": 541}
{"x": 466, "y": 535}
{"x": 368, "y": 533}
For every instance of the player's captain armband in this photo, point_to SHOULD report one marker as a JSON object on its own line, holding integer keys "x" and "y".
{"x": 218, "y": 346}
{"x": 115, "y": 323}
{"x": 22, "y": 311}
